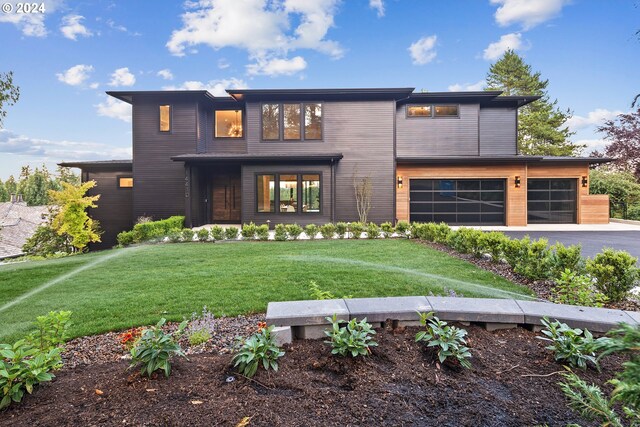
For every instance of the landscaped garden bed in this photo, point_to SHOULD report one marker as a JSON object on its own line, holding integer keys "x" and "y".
{"x": 512, "y": 382}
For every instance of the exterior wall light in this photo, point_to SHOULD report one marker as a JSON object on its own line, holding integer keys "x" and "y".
{"x": 399, "y": 181}
{"x": 585, "y": 181}
{"x": 518, "y": 182}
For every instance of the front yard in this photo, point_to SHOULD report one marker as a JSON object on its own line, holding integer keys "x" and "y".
{"x": 117, "y": 289}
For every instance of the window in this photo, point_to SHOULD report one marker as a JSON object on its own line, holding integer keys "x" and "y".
{"x": 418, "y": 110}
{"x": 125, "y": 182}
{"x": 291, "y": 189}
{"x": 270, "y": 122}
{"x": 446, "y": 111}
{"x": 313, "y": 121}
{"x": 266, "y": 193}
{"x": 291, "y": 121}
{"x": 228, "y": 124}
{"x": 165, "y": 118}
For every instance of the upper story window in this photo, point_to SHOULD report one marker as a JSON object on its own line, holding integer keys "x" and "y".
{"x": 419, "y": 110}
{"x": 292, "y": 122}
{"x": 427, "y": 110}
{"x": 228, "y": 124}
{"x": 446, "y": 111}
{"x": 125, "y": 182}
{"x": 165, "y": 118}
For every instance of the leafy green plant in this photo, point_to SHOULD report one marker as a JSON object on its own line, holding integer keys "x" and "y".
{"x": 513, "y": 249}
{"x": 311, "y": 230}
{"x": 124, "y": 238}
{"x": 529, "y": 258}
{"x": 249, "y": 231}
{"x": 262, "y": 232}
{"x": 450, "y": 341}
{"x": 203, "y": 235}
{"x": 317, "y": 293}
{"x": 201, "y": 327}
{"x": 217, "y": 233}
{"x": 437, "y": 233}
{"x": 615, "y": 273}
{"x": 148, "y": 230}
{"x": 155, "y": 349}
{"x": 373, "y": 231}
{"x": 280, "y": 233}
{"x": 573, "y": 345}
{"x": 341, "y": 229}
{"x": 492, "y": 243}
{"x": 564, "y": 257}
{"x": 294, "y": 231}
{"x": 231, "y": 233}
{"x": 589, "y": 401}
{"x": 328, "y": 231}
{"x": 175, "y": 236}
{"x": 416, "y": 230}
{"x": 466, "y": 240}
{"x": 355, "y": 339}
{"x": 402, "y": 228}
{"x": 356, "y": 229}
{"x": 51, "y": 330}
{"x": 576, "y": 289}
{"x": 23, "y": 366}
{"x": 199, "y": 336}
{"x": 258, "y": 349}
{"x": 187, "y": 235}
{"x": 387, "y": 229}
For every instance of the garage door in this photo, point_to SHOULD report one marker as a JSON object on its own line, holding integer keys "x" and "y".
{"x": 551, "y": 201}
{"x": 457, "y": 201}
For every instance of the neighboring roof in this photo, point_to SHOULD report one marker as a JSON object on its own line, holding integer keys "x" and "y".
{"x": 127, "y": 96}
{"x": 257, "y": 158}
{"x": 500, "y": 159}
{"x": 17, "y": 223}
{"x": 321, "y": 94}
{"x": 100, "y": 164}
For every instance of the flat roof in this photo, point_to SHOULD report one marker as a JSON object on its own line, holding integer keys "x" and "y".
{"x": 321, "y": 94}
{"x": 99, "y": 164}
{"x": 501, "y": 159}
{"x": 262, "y": 158}
{"x": 127, "y": 95}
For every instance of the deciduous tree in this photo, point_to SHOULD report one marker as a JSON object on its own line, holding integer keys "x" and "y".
{"x": 71, "y": 217}
{"x": 9, "y": 94}
{"x": 623, "y": 134}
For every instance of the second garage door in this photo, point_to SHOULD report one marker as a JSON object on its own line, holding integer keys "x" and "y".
{"x": 551, "y": 201}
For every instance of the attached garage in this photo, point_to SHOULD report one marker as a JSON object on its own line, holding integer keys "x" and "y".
{"x": 457, "y": 201}
{"x": 552, "y": 201}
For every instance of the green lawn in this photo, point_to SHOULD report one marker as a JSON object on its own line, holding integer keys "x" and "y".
{"x": 121, "y": 288}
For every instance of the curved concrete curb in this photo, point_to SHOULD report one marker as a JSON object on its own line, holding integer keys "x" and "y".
{"x": 307, "y": 319}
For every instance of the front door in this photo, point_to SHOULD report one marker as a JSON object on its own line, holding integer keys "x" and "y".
{"x": 226, "y": 199}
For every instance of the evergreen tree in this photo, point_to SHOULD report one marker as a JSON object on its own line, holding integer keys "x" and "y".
{"x": 4, "y": 194}
{"x": 64, "y": 174}
{"x": 11, "y": 185}
{"x": 542, "y": 126}
{"x": 36, "y": 187}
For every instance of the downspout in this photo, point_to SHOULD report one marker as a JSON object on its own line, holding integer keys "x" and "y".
{"x": 333, "y": 190}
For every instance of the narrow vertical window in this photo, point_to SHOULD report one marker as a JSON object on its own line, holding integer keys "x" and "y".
{"x": 289, "y": 193}
{"x": 165, "y": 118}
{"x": 291, "y": 121}
{"x": 265, "y": 191}
{"x": 311, "y": 193}
{"x": 270, "y": 122}
{"x": 312, "y": 121}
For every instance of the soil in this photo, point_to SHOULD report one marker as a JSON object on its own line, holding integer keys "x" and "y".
{"x": 513, "y": 382}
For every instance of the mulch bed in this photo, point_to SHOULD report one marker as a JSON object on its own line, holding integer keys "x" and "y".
{"x": 513, "y": 383}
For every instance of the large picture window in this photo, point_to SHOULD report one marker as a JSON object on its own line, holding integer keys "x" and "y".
{"x": 270, "y": 122}
{"x": 296, "y": 193}
{"x": 228, "y": 124}
{"x": 292, "y": 122}
{"x": 165, "y": 118}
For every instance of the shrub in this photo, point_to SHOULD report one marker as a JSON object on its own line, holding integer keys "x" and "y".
{"x": 450, "y": 340}
{"x": 201, "y": 327}
{"x": 513, "y": 250}
{"x": 259, "y": 349}
{"x": 493, "y": 243}
{"x": 175, "y": 236}
{"x": 328, "y": 230}
{"x": 564, "y": 257}
{"x": 588, "y": 400}
{"x": 126, "y": 238}
{"x": 51, "y": 330}
{"x": 262, "y": 232}
{"x": 154, "y": 229}
{"x": 402, "y": 228}
{"x": 280, "y": 233}
{"x": 387, "y": 229}
{"x": 217, "y": 232}
{"x": 203, "y": 235}
{"x": 615, "y": 273}
{"x": 187, "y": 235}
{"x": 373, "y": 231}
{"x": 23, "y": 366}
{"x": 528, "y": 258}
{"x": 46, "y": 242}
{"x": 354, "y": 339}
{"x": 311, "y": 230}
{"x": 356, "y": 229}
{"x": 575, "y": 346}
{"x": 294, "y": 231}
{"x": 416, "y": 230}
{"x": 155, "y": 349}
{"x": 441, "y": 232}
{"x": 575, "y": 289}
{"x": 341, "y": 229}
{"x": 466, "y": 240}
{"x": 231, "y": 233}
{"x": 249, "y": 231}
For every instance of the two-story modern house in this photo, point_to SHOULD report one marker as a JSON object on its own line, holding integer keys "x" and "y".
{"x": 292, "y": 156}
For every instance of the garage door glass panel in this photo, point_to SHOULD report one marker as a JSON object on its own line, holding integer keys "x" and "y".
{"x": 551, "y": 201}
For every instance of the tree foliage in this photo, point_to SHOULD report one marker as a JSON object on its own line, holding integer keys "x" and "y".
{"x": 623, "y": 135}
{"x": 542, "y": 126}
{"x": 9, "y": 93}
{"x": 71, "y": 217}
{"x": 34, "y": 185}
{"x": 621, "y": 187}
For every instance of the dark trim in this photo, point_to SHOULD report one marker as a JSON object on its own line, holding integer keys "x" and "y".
{"x": 127, "y": 96}
{"x": 257, "y": 158}
{"x": 230, "y": 138}
{"x": 499, "y": 159}
{"x": 307, "y": 94}
{"x": 276, "y": 193}
{"x": 395, "y": 165}
{"x": 303, "y": 133}
{"x": 170, "y": 131}
{"x": 99, "y": 164}
{"x": 333, "y": 191}
{"x": 424, "y": 104}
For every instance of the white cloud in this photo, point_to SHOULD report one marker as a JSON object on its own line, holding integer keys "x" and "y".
{"x": 223, "y": 63}
{"x": 596, "y": 117}
{"x": 277, "y": 66}
{"x": 122, "y": 77}
{"x": 529, "y": 13}
{"x": 76, "y": 75}
{"x": 115, "y": 109}
{"x": 423, "y": 51}
{"x": 31, "y": 24}
{"x": 591, "y": 145}
{"x": 473, "y": 87}
{"x": 267, "y": 30}
{"x": 508, "y": 41}
{"x": 72, "y": 27}
{"x": 13, "y": 143}
{"x": 166, "y": 74}
{"x": 215, "y": 87}
{"x": 377, "y": 5}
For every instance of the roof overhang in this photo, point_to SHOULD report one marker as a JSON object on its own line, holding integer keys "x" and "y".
{"x": 347, "y": 94}
{"x": 461, "y": 160}
{"x": 127, "y": 96}
{"x": 257, "y": 158}
{"x": 124, "y": 165}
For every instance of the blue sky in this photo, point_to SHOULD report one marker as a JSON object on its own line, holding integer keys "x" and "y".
{"x": 65, "y": 59}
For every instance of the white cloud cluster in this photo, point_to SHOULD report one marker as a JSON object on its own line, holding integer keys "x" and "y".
{"x": 267, "y": 30}
{"x": 215, "y": 87}
{"x": 377, "y": 5}
{"x": 76, "y": 75}
{"x": 472, "y": 87}
{"x": 528, "y": 13}
{"x": 423, "y": 51}
{"x": 277, "y": 66}
{"x": 115, "y": 109}
{"x": 596, "y": 117}
{"x": 72, "y": 27}
{"x": 511, "y": 41}
{"x": 165, "y": 74}
{"x": 122, "y": 77}
{"x": 30, "y": 24}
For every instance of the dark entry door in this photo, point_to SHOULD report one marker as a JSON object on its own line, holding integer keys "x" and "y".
{"x": 226, "y": 198}
{"x": 551, "y": 201}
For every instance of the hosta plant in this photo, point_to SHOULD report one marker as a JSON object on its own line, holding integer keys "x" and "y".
{"x": 257, "y": 350}
{"x": 450, "y": 341}
{"x": 155, "y": 349}
{"x": 355, "y": 339}
{"x": 572, "y": 345}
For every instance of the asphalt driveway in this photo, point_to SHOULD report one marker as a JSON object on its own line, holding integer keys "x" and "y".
{"x": 592, "y": 241}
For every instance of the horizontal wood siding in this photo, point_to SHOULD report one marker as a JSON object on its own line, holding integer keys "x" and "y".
{"x": 159, "y": 182}
{"x": 498, "y": 131}
{"x": 443, "y": 136}
{"x": 595, "y": 209}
